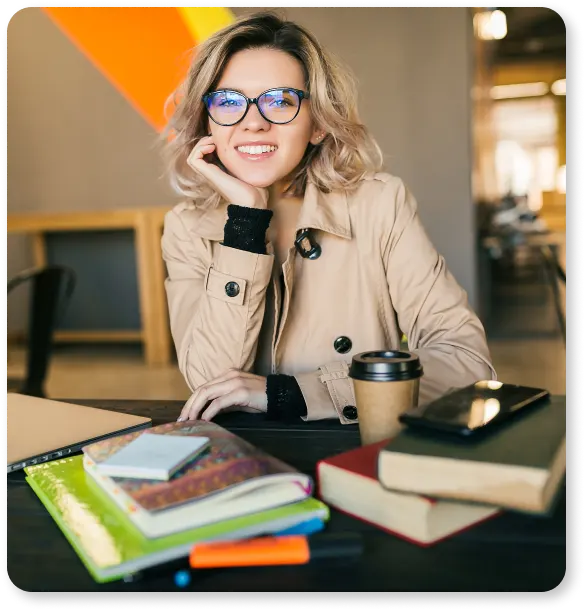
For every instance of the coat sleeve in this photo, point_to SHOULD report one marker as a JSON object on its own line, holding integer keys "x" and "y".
{"x": 327, "y": 392}
{"x": 216, "y": 301}
{"x": 432, "y": 309}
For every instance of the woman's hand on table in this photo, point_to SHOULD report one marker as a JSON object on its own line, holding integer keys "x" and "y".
{"x": 234, "y": 391}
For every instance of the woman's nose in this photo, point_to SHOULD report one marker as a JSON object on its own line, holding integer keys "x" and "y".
{"x": 254, "y": 120}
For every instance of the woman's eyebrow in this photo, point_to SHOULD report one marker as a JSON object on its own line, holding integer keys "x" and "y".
{"x": 230, "y": 89}
{"x": 240, "y": 91}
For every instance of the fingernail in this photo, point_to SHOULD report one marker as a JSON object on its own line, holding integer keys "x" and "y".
{"x": 181, "y": 419}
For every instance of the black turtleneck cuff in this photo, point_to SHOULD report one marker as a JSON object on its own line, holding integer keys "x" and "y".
{"x": 246, "y": 228}
{"x": 285, "y": 399}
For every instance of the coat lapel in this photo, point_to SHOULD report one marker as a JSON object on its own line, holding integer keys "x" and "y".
{"x": 324, "y": 211}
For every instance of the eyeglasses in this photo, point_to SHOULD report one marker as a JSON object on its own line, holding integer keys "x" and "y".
{"x": 281, "y": 105}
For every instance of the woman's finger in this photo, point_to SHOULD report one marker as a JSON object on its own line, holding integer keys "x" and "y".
{"x": 198, "y": 153}
{"x": 205, "y": 140}
{"x": 183, "y": 415}
{"x": 230, "y": 374}
{"x": 209, "y": 393}
{"x": 224, "y": 402}
{"x": 215, "y": 175}
{"x": 204, "y": 149}
{"x": 193, "y": 399}
{"x": 204, "y": 143}
{"x": 229, "y": 187}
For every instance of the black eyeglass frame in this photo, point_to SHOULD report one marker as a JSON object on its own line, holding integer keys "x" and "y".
{"x": 303, "y": 95}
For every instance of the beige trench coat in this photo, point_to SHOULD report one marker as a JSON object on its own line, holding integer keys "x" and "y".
{"x": 378, "y": 276}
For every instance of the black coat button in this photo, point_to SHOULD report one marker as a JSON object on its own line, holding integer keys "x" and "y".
{"x": 232, "y": 289}
{"x": 342, "y": 344}
{"x": 350, "y": 412}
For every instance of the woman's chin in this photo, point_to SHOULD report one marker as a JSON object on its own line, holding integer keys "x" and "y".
{"x": 258, "y": 179}
{"x": 263, "y": 183}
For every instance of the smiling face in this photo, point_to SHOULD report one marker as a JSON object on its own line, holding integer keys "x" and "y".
{"x": 252, "y": 72}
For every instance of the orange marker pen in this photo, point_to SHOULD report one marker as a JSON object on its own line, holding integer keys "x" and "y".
{"x": 270, "y": 551}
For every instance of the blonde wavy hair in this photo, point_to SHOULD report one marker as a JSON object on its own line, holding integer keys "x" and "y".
{"x": 340, "y": 161}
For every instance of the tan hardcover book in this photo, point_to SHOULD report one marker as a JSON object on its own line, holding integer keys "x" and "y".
{"x": 519, "y": 466}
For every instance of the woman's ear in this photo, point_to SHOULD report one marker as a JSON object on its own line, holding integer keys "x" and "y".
{"x": 317, "y": 136}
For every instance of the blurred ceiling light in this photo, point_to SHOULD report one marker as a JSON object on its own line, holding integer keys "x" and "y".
{"x": 490, "y": 25}
{"x": 559, "y": 87}
{"x": 518, "y": 90}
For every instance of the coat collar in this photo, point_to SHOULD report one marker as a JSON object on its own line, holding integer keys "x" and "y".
{"x": 328, "y": 212}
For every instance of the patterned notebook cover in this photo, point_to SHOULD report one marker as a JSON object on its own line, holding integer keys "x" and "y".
{"x": 111, "y": 546}
{"x": 229, "y": 461}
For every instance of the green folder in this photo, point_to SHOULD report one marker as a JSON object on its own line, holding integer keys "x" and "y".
{"x": 111, "y": 547}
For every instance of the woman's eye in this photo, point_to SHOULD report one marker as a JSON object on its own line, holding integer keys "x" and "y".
{"x": 280, "y": 103}
{"x": 229, "y": 103}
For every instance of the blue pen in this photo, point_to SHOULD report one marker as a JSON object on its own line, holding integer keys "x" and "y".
{"x": 308, "y": 527}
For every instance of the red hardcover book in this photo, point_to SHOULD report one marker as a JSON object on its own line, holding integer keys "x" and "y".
{"x": 349, "y": 483}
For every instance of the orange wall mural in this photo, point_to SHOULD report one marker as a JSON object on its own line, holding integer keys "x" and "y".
{"x": 143, "y": 51}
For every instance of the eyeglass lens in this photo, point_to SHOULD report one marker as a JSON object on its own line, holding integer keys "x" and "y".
{"x": 276, "y": 105}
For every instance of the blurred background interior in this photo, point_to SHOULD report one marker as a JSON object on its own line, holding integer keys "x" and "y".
{"x": 467, "y": 104}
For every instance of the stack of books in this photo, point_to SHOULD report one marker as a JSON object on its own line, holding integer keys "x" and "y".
{"x": 226, "y": 490}
{"x": 425, "y": 487}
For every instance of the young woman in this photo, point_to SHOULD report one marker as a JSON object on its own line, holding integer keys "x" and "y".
{"x": 292, "y": 251}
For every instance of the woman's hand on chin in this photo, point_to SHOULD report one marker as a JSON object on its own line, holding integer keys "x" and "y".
{"x": 232, "y": 189}
{"x": 234, "y": 391}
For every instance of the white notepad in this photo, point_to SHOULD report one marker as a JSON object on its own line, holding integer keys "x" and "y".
{"x": 152, "y": 456}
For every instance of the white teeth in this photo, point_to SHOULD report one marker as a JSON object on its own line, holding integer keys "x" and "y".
{"x": 256, "y": 150}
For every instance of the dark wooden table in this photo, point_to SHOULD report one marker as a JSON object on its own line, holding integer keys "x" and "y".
{"x": 510, "y": 553}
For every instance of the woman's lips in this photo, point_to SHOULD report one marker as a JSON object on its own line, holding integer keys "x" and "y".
{"x": 256, "y": 156}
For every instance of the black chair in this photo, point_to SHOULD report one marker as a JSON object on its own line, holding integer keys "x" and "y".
{"x": 52, "y": 287}
{"x": 556, "y": 275}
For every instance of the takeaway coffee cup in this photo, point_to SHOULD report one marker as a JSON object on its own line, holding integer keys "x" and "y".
{"x": 386, "y": 384}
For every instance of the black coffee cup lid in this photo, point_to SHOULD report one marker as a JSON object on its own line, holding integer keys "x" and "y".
{"x": 385, "y": 366}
